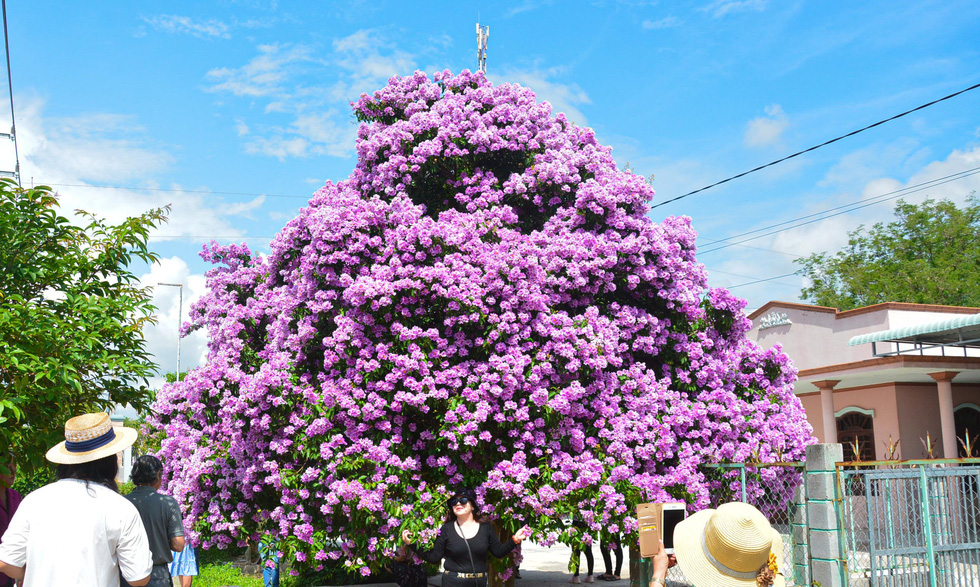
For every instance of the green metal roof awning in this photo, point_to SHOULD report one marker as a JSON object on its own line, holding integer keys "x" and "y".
{"x": 961, "y": 331}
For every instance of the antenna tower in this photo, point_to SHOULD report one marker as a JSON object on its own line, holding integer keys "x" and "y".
{"x": 482, "y": 34}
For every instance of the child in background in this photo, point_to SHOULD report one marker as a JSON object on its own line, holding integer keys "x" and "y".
{"x": 184, "y": 566}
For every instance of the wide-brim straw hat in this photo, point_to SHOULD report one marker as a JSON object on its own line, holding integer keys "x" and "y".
{"x": 90, "y": 437}
{"x": 726, "y": 547}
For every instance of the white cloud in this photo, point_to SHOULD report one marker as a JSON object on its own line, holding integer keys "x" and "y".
{"x": 831, "y": 234}
{"x": 369, "y": 60}
{"x": 90, "y": 147}
{"x": 202, "y": 29}
{"x": 264, "y": 75}
{"x": 667, "y": 22}
{"x": 310, "y": 133}
{"x": 527, "y": 6}
{"x": 736, "y": 265}
{"x": 72, "y": 154}
{"x": 864, "y": 165}
{"x": 278, "y": 146}
{"x": 720, "y": 8}
{"x": 245, "y": 208}
{"x": 316, "y": 120}
{"x": 161, "y": 338}
{"x": 766, "y": 130}
{"x": 562, "y": 97}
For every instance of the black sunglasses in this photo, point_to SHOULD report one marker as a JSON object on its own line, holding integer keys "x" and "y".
{"x": 454, "y": 501}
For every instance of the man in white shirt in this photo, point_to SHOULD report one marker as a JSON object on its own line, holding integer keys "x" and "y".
{"x": 79, "y": 530}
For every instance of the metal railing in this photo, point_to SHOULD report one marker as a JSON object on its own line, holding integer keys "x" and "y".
{"x": 910, "y": 523}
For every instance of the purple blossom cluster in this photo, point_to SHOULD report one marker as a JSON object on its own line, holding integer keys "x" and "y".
{"x": 484, "y": 302}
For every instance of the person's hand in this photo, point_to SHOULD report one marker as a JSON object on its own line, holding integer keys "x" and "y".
{"x": 661, "y": 562}
{"x": 406, "y": 537}
{"x": 521, "y": 534}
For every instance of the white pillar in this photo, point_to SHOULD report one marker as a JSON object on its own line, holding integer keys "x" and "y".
{"x": 944, "y": 383}
{"x": 826, "y": 388}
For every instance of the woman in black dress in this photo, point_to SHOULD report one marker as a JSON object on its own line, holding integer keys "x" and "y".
{"x": 464, "y": 542}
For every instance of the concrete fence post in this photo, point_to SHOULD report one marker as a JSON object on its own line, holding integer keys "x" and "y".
{"x": 799, "y": 534}
{"x": 823, "y": 537}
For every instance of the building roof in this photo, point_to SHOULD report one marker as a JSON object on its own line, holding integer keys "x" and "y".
{"x": 961, "y": 331}
{"x": 864, "y": 309}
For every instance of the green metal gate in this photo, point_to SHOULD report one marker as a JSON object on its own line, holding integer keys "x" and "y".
{"x": 910, "y": 523}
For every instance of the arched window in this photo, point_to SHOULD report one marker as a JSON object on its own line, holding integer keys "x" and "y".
{"x": 856, "y": 426}
{"x": 966, "y": 417}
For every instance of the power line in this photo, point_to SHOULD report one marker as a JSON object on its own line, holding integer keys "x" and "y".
{"x": 710, "y": 270}
{"x": 964, "y": 173}
{"x": 712, "y": 241}
{"x": 850, "y": 207}
{"x": 763, "y": 280}
{"x": 824, "y": 144}
{"x": 175, "y": 190}
{"x": 871, "y": 201}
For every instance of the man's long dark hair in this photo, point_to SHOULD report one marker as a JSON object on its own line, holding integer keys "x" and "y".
{"x": 102, "y": 472}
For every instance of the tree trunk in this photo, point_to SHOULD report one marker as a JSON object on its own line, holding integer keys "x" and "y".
{"x": 493, "y": 578}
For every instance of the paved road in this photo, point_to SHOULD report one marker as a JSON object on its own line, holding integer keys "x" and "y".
{"x": 548, "y": 567}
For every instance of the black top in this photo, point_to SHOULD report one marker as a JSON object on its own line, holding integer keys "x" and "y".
{"x": 161, "y": 519}
{"x": 452, "y": 547}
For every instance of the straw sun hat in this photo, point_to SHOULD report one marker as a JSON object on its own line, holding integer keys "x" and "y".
{"x": 726, "y": 547}
{"x": 90, "y": 437}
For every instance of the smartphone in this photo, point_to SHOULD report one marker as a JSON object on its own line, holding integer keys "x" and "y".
{"x": 672, "y": 514}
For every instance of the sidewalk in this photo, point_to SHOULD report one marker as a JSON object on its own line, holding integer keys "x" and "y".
{"x": 548, "y": 567}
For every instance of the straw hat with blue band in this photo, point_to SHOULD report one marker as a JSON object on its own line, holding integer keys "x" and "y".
{"x": 90, "y": 437}
{"x": 726, "y": 547}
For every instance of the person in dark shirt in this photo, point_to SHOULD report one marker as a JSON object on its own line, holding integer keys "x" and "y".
{"x": 161, "y": 518}
{"x": 9, "y": 500}
{"x": 465, "y": 541}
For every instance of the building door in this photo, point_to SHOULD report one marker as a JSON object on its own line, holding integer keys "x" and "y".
{"x": 856, "y": 430}
{"x": 966, "y": 417}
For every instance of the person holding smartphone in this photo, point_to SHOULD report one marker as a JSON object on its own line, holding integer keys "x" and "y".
{"x": 465, "y": 541}
{"x": 732, "y": 546}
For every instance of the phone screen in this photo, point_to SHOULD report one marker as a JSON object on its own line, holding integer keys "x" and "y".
{"x": 671, "y": 519}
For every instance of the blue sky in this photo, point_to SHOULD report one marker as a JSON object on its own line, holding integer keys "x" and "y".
{"x": 245, "y": 106}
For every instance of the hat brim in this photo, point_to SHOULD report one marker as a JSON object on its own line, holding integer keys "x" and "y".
{"x": 125, "y": 437}
{"x": 693, "y": 561}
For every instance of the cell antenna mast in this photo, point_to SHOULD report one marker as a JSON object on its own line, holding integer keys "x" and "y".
{"x": 482, "y": 34}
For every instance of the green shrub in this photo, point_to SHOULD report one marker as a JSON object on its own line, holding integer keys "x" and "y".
{"x": 27, "y": 482}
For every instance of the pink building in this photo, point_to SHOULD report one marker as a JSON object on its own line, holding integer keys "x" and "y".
{"x": 883, "y": 374}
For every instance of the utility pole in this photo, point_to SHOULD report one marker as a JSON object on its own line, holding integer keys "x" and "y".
{"x": 482, "y": 34}
{"x": 180, "y": 314}
{"x": 12, "y": 135}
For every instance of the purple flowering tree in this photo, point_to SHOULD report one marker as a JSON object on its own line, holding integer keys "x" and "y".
{"x": 483, "y": 302}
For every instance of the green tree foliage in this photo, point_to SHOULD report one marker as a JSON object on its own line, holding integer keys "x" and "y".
{"x": 71, "y": 317}
{"x": 929, "y": 255}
